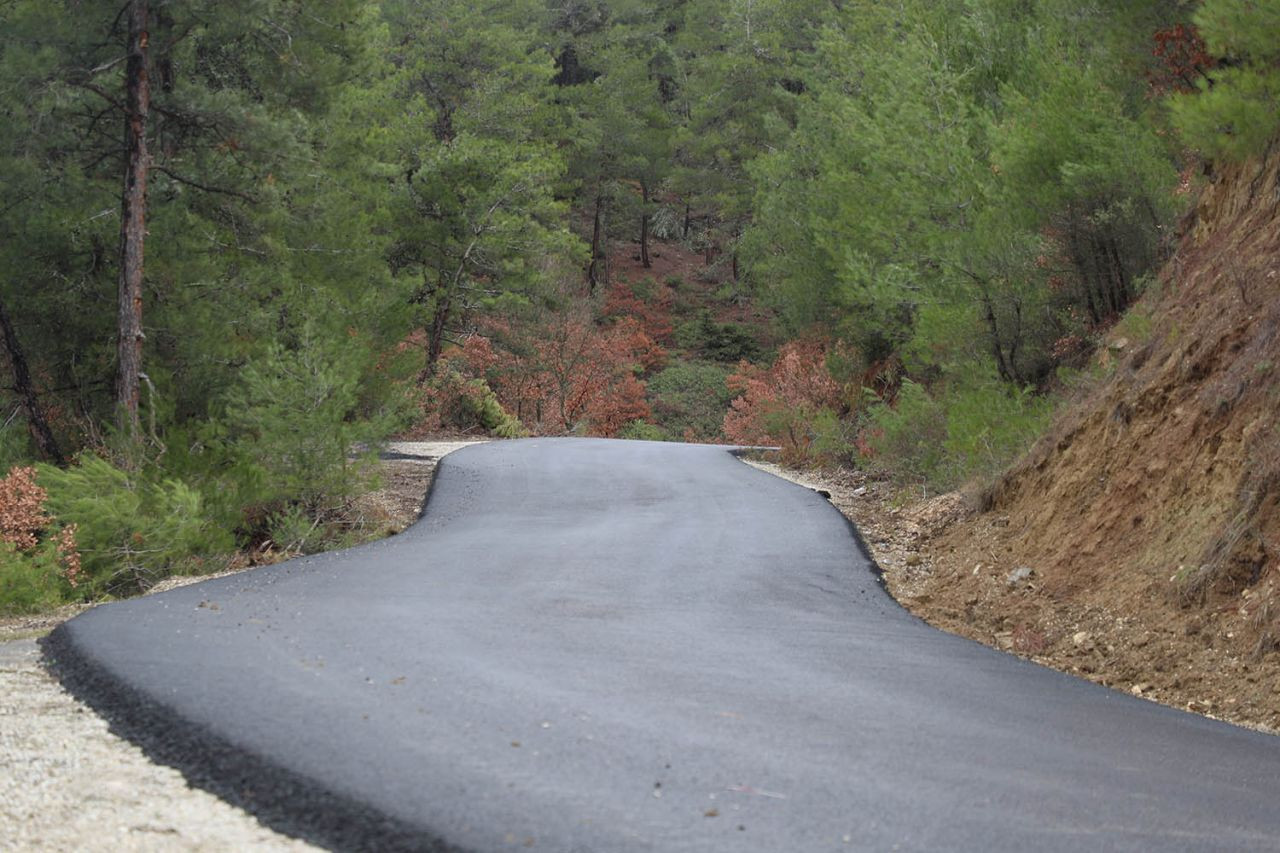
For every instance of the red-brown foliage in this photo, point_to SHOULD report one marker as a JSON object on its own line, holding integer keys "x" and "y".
{"x": 777, "y": 405}
{"x": 567, "y": 375}
{"x": 652, "y": 311}
{"x": 1184, "y": 59}
{"x": 24, "y": 521}
{"x": 22, "y": 515}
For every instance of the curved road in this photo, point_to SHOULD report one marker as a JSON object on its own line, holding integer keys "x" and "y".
{"x": 589, "y": 645}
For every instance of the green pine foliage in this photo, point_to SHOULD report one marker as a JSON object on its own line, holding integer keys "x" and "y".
{"x": 1236, "y": 112}
{"x": 690, "y": 398}
{"x": 941, "y": 439}
{"x": 132, "y": 530}
{"x": 959, "y": 198}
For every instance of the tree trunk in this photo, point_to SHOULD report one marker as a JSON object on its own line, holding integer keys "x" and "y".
{"x": 688, "y": 220}
{"x": 133, "y": 221}
{"x": 644, "y": 227}
{"x": 26, "y": 391}
{"x": 439, "y": 324}
{"x": 993, "y": 328}
{"x": 1122, "y": 275}
{"x": 1080, "y": 263}
{"x": 595, "y": 271}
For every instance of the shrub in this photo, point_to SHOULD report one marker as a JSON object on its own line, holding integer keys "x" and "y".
{"x": 132, "y": 531}
{"x": 974, "y": 428}
{"x": 31, "y": 581}
{"x": 725, "y": 342}
{"x": 295, "y": 416}
{"x": 22, "y": 512}
{"x": 782, "y": 404}
{"x": 1236, "y": 112}
{"x": 468, "y": 405}
{"x": 691, "y": 398}
{"x": 643, "y": 431}
{"x": 39, "y": 561}
{"x": 569, "y": 376}
{"x": 645, "y": 302}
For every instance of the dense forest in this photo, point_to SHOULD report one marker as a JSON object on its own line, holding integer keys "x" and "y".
{"x": 243, "y": 242}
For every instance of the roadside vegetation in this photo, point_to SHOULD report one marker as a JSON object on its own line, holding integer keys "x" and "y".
{"x": 240, "y": 240}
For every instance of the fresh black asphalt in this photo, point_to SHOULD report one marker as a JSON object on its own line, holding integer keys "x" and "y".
{"x": 591, "y": 645}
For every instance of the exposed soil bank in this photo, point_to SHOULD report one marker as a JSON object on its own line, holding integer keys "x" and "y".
{"x": 1138, "y": 544}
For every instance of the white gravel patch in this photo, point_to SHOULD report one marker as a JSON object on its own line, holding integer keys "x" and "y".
{"x": 67, "y": 783}
{"x": 428, "y": 450}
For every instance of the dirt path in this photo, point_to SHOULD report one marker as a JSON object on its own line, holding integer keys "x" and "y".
{"x": 67, "y": 783}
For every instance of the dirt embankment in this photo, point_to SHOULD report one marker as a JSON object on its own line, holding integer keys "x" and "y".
{"x": 1137, "y": 544}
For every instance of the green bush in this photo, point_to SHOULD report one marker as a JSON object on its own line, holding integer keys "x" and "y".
{"x": 834, "y": 440}
{"x": 14, "y": 445}
{"x": 295, "y": 416}
{"x": 469, "y": 405}
{"x": 643, "y": 431}
{"x": 1236, "y": 113}
{"x": 690, "y": 398}
{"x": 132, "y": 531}
{"x": 971, "y": 429}
{"x": 30, "y": 582}
{"x": 724, "y": 342}
{"x": 294, "y": 530}
{"x": 907, "y": 439}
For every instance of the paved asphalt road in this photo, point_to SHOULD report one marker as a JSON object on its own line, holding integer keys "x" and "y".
{"x": 592, "y": 645}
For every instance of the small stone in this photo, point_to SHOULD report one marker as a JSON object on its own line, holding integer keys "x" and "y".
{"x": 860, "y": 491}
{"x": 1022, "y": 574}
{"x": 1140, "y": 688}
{"x": 1082, "y": 640}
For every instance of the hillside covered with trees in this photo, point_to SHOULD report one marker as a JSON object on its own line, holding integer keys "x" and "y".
{"x": 241, "y": 240}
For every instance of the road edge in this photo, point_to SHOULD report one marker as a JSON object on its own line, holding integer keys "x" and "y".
{"x": 264, "y": 790}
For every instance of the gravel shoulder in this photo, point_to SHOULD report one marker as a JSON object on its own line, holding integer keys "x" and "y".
{"x": 68, "y": 783}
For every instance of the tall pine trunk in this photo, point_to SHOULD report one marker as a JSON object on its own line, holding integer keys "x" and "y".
{"x": 439, "y": 325}
{"x": 26, "y": 391}
{"x": 133, "y": 221}
{"x": 594, "y": 272}
{"x": 644, "y": 227}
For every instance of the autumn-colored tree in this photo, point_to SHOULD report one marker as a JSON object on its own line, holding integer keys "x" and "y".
{"x": 22, "y": 512}
{"x": 647, "y": 302}
{"x": 25, "y": 523}
{"x": 1184, "y": 60}
{"x": 779, "y": 405}
{"x": 569, "y": 375}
